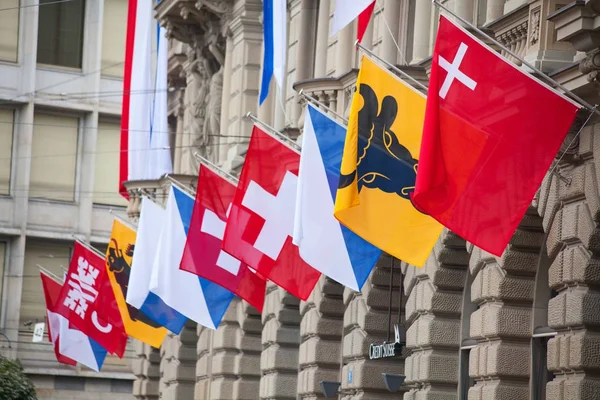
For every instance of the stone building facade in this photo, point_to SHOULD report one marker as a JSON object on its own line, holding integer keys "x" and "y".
{"x": 521, "y": 326}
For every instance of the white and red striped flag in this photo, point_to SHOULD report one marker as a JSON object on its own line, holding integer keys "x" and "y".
{"x": 145, "y": 152}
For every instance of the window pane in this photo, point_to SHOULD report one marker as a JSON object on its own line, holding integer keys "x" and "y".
{"x": 51, "y": 256}
{"x": 113, "y": 37}
{"x": 106, "y": 169}
{"x": 53, "y": 157}
{"x": 9, "y": 30}
{"x": 6, "y": 142}
{"x": 60, "y": 33}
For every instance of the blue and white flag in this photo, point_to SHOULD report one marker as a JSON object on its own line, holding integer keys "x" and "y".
{"x": 275, "y": 45}
{"x": 324, "y": 243}
{"x": 198, "y": 299}
{"x": 74, "y": 344}
{"x": 152, "y": 218}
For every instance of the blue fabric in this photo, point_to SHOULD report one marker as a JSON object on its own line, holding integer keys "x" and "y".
{"x": 99, "y": 352}
{"x": 155, "y": 309}
{"x": 269, "y": 53}
{"x": 330, "y": 138}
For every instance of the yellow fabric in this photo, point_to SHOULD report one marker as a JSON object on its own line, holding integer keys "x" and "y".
{"x": 117, "y": 259}
{"x": 386, "y": 220}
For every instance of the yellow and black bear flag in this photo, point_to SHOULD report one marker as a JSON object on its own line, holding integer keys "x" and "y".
{"x": 379, "y": 167}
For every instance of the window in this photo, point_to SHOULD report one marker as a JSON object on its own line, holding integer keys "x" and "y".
{"x": 114, "y": 30}
{"x": 9, "y": 30}
{"x": 121, "y": 386}
{"x": 53, "y": 157}
{"x": 51, "y": 256}
{"x": 60, "y": 33}
{"x": 106, "y": 168}
{"x": 6, "y": 144}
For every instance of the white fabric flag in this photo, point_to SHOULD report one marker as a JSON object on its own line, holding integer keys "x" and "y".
{"x": 152, "y": 217}
{"x": 347, "y": 11}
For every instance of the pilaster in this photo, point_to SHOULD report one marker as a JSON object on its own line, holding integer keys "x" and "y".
{"x": 146, "y": 368}
{"x": 178, "y": 364}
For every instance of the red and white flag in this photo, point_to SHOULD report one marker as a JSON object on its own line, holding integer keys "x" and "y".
{"x": 347, "y": 11}
{"x": 203, "y": 255}
{"x": 51, "y": 293}
{"x": 144, "y": 144}
{"x": 491, "y": 132}
{"x": 100, "y": 320}
{"x": 261, "y": 221}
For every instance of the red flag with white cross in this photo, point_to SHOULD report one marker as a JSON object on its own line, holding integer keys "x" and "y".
{"x": 261, "y": 221}
{"x": 490, "y": 134}
{"x": 84, "y": 281}
{"x": 203, "y": 255}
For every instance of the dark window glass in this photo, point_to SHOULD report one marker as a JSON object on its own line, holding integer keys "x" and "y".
{"x": 60, "y": 33}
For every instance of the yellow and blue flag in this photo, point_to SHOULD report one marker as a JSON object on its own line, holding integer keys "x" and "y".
{"x": 379, "y": 167}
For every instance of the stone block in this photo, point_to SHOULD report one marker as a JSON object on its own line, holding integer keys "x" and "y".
{"x": 574, "y": 265}
{"x": 431, "y": 331}
{"x": 576, "y": 306}
{"x": 498, "y": 390}
{"x": 433, "y": 366}
{"x": 500, "y": 359}
{"x": 178, "y": 391}
{"x": 274, "y": 332}
{"x": 249, "y": 342}
{"x": 448, "y": 278}
{"x": 309, "y": 380}
{"x": 318, "y": 351}
{"x": 225, "y": 363}
{"x": 246, "y": 389}
{"x": 497, "y": 320}
{"x": 249, "y": 364}
{"x": 278, "y": 386}
{"x": 366, "y": 374}
{"x": 315, "y": 324}
{"x": 226, "y": 336}
{"x": 573, "y": 387}
{"x": 574, "y": 352}
{"x": 179, "y": 372}
{"x": 222, "y": 388}
{"x": 279, "y": 358}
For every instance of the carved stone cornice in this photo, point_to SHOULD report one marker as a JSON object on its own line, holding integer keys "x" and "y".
{"x": 590, "y": 65}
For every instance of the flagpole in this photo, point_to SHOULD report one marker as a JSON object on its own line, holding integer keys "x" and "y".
{"x": 123, "y": 220}
{"x": 213, "y": 167}
{"x": 49, "y": 273}
{"x": 274, "y": 131}
{"x": 309, "y": 97}
{"x": 552, "y": 82}
{"x": 392, "y": 66}
{"x": 181, "y": 185}
{"x": 89, "y": 246}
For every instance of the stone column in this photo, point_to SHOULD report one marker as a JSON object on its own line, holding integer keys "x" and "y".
{"x": 494, "y": 10}
{"x": 503, "y": 287}
{"x": 246, "y": 56}
{"x": 569, "y": 218}
{"x": 178, "y": 364}
{"x": 433, "y": 317}
{"x": 391, "y": 13}
{"x": 465, "y": 9}
{"x": 345, "y": 50}
{"x": 366, "y": 322}
{"x": 321, "y": 338}
{"x": 22, "y": 168}
{"x": 304, "y": 33}
{"x": 146, "y": 368}
{"x": 226, "y": 96}
{"x": 322, "y": 39}
{"x": 422, "y": 33}
{"x": 280, "y": 340}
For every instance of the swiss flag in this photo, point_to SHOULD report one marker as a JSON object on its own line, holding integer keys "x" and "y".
{"x": 261, "y": 221}
{"x": 99, "y": 320}
{"x": 51, "y": 293}
{"x": 203, "y": 255}
{"x": 490, "y": 134}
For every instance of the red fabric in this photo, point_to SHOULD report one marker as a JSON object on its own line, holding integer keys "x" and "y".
{"x": 485, "y": 151}
{"x": 51, "y": 293}
{"x": 267, "y": 163}
{"x": 363, "y": 21}
{"x": 96, "y": 314}
{"x": 124, "y": 142}
{"x": 214, "y": 195}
